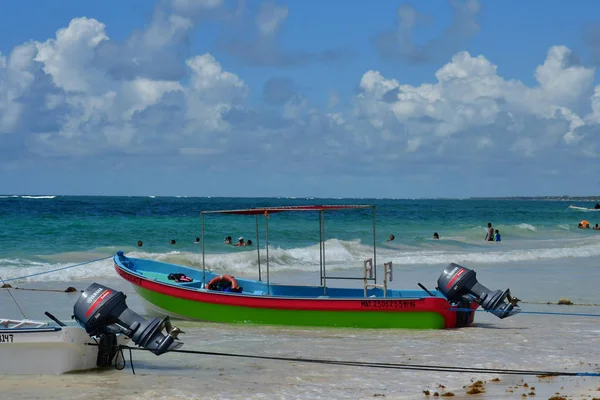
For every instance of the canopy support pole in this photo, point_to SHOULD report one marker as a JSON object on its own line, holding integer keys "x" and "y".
{"x": 258, "y": 249}
{"x": 374, "y": 247}
{"x": 320, "y": 250}
{"x": 267, "y": 245}
{"x": 203, "y": 264}
{"x": 322, "y": 226}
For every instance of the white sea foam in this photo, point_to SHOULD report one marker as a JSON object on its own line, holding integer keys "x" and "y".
{"x": 339, "y": 254}
{"x": 38, "y": 197}
{"x": 528, "y": 227}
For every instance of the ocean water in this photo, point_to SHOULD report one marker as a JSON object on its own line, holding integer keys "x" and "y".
{"x": 39, "y": 233}
{"x": 543, "y": 257}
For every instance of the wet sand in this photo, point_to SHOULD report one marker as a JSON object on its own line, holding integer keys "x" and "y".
{"x": 228, "y": 380}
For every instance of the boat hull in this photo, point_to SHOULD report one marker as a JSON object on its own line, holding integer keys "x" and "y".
{"x": 206, "y": 305}
{"x": 212, "y": 312}
{"x": 47, "y": 350}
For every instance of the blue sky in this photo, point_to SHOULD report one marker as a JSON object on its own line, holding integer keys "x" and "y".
{"x": 300, "y": 98}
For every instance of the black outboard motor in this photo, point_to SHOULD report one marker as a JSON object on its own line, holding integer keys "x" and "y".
{"x": 101, "y": 310}
{"x": 457, "y": 281}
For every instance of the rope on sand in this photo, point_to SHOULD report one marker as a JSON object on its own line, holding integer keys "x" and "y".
{"x": 70, "y": 289}
{"x": 561, "y": 302}
{"x": 417, "y": 367}
{"x": 530, "y": 312}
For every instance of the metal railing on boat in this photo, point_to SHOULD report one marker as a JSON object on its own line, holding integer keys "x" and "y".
{"x": 21, "y": 323}
{"x": 387, "y": 272}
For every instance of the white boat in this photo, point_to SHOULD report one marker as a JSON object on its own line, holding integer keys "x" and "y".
{"x": 105, "y": 323}
{"x": 572, "y": 207}
{"x": 33, "y": 347}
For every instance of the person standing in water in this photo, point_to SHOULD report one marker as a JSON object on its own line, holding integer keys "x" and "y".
{"x": 498, "y": 238}
{"x": 489, "y": 236}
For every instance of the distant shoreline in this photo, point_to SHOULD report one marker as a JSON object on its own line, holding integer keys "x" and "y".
{"x": 534, "y": 198}
{"x": 552, "y": 198}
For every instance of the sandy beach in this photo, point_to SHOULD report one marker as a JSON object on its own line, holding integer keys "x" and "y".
{"x": 229, "y": 382}
{"x": 522, "y": 342}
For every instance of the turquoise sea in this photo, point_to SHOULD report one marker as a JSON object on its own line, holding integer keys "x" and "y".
{"x": 542, "y": 257}
{"x": 39, "y": 233}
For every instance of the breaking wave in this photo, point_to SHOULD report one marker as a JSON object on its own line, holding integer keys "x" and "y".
{"x": 339, "y": 254}
{"x": 27, "y": 197}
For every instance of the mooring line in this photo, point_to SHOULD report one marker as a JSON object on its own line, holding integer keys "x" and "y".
{"x": 57, "y": 269}
{"x": 530, "y": 312}
{"x": 417, "y": 367}
{"x": 70, "y": 289}
{"x": 13, "y": 297}
{"x": 548, "y": 303}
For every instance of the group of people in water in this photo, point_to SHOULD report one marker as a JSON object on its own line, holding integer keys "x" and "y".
{"x": 392, "y": 237}
{"x": 171, "y": 242}
{"x": 492, "y": 235}
{"x": 586, "y": 225}
{"x": 239, "y": 243}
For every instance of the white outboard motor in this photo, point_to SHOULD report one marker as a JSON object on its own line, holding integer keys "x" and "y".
{"x": 101, "y": 310}
{"x": 457, "y": 281}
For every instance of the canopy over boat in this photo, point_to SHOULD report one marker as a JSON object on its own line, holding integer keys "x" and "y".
{"x": 272, "y": 210}
{"x": 314, "y": 208}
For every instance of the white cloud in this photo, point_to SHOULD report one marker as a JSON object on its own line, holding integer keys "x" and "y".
{"x": 594, "y": 116}
{"x": 68, "y": 58}
{"x": 561, "y": 82}
{"x": 209, "y": 79}
{"x": 90, "y": 111}
{"x": 471, "y": 99}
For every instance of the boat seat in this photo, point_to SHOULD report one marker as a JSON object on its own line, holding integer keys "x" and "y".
{"x": 194, "y": 284}
{"x": 258, "y": 292}
{"x": 323, "y": 297}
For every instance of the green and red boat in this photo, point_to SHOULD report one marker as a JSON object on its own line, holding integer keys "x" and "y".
{"x": 188, "y": 293}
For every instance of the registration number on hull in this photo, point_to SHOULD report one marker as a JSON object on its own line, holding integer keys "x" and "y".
{"x": 6, "y": 338}
{"x": 387, "y": 304}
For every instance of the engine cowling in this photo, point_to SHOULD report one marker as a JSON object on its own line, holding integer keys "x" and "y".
{"x": 102, "y": 310}
{"x": 457, "y": 281}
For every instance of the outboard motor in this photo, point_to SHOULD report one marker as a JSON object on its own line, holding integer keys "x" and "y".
{"x": 457, "y": 281}
{"x": 101, "y": 310}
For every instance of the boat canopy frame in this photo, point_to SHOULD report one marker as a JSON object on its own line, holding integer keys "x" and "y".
{"x": 266, "y": 211}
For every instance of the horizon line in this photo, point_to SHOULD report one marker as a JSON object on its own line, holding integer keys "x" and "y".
{"x": 537, "y": 197}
